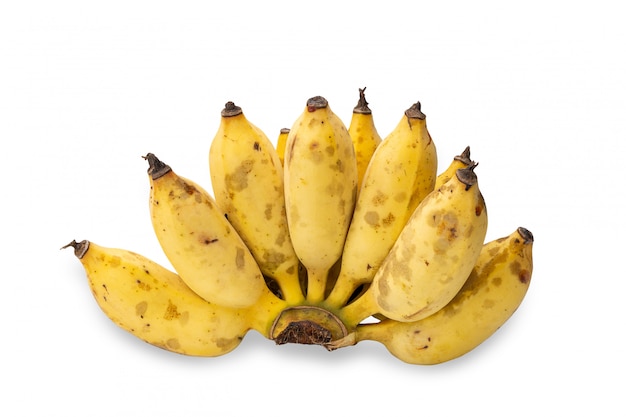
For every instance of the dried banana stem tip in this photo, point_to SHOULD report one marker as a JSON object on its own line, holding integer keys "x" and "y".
{"x": 317, "y": 102}
{"x": 230, "y": 110}
{"x": 467, "y": 175}
{"x": 80, "y": 248}
{"x": 362, "y": 106}
{"x": 526, "y": 235}
{"x": 415, "y": 112}
{"x": 464, "y": 157}
{"x": 156, "y": 168}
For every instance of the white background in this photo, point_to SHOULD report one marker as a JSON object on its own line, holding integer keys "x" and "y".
{"x": 86, "y": 88}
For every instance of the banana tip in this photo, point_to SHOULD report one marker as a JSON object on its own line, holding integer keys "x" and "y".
{"x": 415, "y": 112}
{"x": 526, "y": 235}
{"x": 156, "y": 168}
{"x": 80, "y": 248}
{"x": 230, "y": 110}
{"x": 315, "y": 103}
{"x": 467, "y": 175}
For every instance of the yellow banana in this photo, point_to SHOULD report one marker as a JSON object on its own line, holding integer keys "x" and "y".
{"x": 432, "y": 257}
{"x": 247, "y": 179}
{"x": 492, "y": 293}
{"x": 365, "y": 137}
{"x": 200, "y": 243}
{"x": 280, "y": 144}
{"x": 154, "y": 304}
{"x": 304, "y": 240}
{"x": 401, "y": 172}
{"x": 320, "y": 190}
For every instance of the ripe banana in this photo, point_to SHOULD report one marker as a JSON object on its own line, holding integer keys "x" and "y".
{"x": 200, "y": 243}
{"x": 365, "y": 137}
{"x": 280, "y": 144}
{"x": 305, "y": 240}
{"x": 154, "y": 304}
{"x": 401, "y": 172}
{"x": 247, "y": 179}
{"x": 320, "y": 191}
{"x": 492, "y": 293}
{"x": 432, "y": 257}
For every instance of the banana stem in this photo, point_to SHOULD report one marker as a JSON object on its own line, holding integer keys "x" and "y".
{"x": 360, "y": 309}
{"x": 362, "y": 106}
{"x": 316, "y": 285}
{"x": 341, "y": 292}
{"x": 264, "y": 312}
{"x": 290, "y": 288}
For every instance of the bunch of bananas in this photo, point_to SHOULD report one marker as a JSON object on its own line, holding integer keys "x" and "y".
{"x": 333, "y": 236}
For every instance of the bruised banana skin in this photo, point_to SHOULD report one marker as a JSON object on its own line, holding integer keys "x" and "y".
{"x": 432, "y": 257}
{"x": 247, "y": 180}
{"x": 492, "y": 293}
{"x": 154, "y": 304}
{"x": 200, "y": 243}
{"x": 364, "y": 135}
{"x": 401, "y": 173}
{"x": 320, "y": 191}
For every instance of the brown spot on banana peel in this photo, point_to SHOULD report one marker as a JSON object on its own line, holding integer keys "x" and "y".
{"x": 172, "y": 344}
{"x": 524, "y": 276}
{"x": 388, "y": 220}
{"x": 371, "y": 218}
{"x": 380, "y": 198}
{"x": 141, "y": 308}
{"x": 240, "y": 258}
{"x": 143, "y": 286}
{"x": 238, "y": 179}
{"x": 171, "y": 311}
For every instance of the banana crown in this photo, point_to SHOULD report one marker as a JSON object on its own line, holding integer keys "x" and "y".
{"x": 329, "y": 236}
